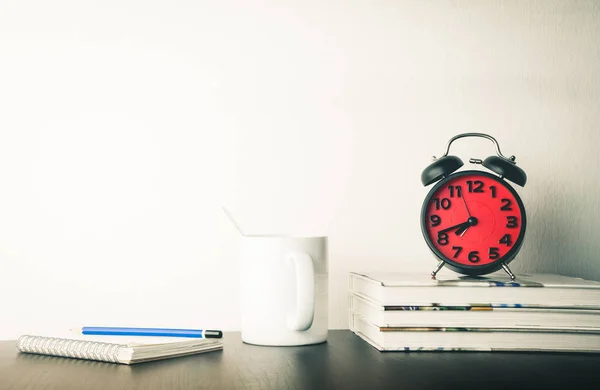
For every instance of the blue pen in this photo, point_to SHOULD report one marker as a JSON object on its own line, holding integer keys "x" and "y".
{"x": 164, "y": 332}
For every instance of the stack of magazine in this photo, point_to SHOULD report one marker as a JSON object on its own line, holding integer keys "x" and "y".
{"x": 535, "y": 312}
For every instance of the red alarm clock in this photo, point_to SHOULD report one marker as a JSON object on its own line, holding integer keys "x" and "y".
{"x": 473, "y": 221}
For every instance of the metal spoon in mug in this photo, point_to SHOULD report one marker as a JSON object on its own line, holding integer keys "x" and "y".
{"x": 233, "y": 220}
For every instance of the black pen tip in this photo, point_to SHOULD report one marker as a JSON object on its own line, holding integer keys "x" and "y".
{"x": 213, "y": 334}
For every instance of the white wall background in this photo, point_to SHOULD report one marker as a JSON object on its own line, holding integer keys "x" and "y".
{"x": 125, "y": 125}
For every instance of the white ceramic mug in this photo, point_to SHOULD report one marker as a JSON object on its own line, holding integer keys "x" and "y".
{"x": 284, "y": 290}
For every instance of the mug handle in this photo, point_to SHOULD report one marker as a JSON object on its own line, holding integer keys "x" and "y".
{"x": 302, "y": 319}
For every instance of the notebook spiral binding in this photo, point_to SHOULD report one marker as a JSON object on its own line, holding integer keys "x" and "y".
{"x": 91, "y": 350}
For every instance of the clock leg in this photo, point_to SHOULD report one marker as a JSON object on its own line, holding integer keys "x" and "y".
{"x": 505, "y": 267}
{"x": 437, "y": 269}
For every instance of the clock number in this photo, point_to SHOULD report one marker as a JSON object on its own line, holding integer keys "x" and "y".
{"x": 507, "y": 203}
{"x": 505, "y": 240}
{"x": 511, "y": 222}
{"x": 493, "y": 253}
{"x": 493, "y": 189}
{"x": 442, "y": 239}
{"x": 475, "y": 186}
{"x": 458, "y": 190}
{"x": 474, "y": 256}
{"x": 458, "y": 249}
{"x": 435, "y": 220}
{"x": 444, "y": 203}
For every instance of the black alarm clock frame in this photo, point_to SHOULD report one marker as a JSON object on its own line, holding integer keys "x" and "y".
{"x": 443, "y": 171}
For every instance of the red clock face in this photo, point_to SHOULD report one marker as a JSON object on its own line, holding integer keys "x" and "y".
{"x": 474, "y": 221}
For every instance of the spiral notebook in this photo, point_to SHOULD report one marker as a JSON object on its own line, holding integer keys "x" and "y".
{"x": 116, "y": 349}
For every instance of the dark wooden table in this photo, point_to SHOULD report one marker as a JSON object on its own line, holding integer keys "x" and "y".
{"x": 344, "y": 362}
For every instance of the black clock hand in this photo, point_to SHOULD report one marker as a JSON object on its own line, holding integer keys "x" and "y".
{"x": 462, "y": 230}
{"x": 461, "y": 227}
{"x": 465, "y": 202}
